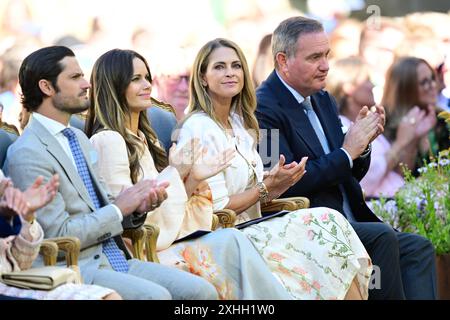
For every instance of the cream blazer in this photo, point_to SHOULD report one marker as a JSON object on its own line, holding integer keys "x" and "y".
{"x": 173, "y": 218}
{"x": 244, "y": 167}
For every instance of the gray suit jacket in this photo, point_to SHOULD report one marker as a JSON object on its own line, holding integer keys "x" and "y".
{"x": 72, "y": 212}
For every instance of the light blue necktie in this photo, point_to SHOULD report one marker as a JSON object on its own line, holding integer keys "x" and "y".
{"x": 315, "y": 122}
{"x": 110, "y": 248}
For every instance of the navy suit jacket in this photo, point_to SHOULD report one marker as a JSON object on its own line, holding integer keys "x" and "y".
{"x": 278, "y": 109}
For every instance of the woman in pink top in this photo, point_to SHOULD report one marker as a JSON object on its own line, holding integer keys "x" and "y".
{"x": 349, "y": 82}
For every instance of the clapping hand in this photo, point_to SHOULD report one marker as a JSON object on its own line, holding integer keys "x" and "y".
{"x": 14, "y": 201}
{"x": 206, "y": 166}
{"x": 283, "y": 176}
{"x": 365, "y": 129}
{"x": 38, "y": 195}
{"x": 142, "y": 197}
{"x": 183, "y": 158}
{"x": 4, "y": 184}
{"x": 426, "y": 123}
{"x": 157, "y": 194}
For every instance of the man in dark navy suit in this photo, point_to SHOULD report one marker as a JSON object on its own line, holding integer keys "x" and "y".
{"x": 292, "y": 101}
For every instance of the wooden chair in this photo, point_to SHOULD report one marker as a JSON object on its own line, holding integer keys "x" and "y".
{"x": 51, "y": 247}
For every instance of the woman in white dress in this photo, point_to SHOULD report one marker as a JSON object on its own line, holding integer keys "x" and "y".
{"x": 314, "y": 252}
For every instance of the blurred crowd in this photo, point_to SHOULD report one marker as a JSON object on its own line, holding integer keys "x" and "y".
{"x": 401, "y": 63}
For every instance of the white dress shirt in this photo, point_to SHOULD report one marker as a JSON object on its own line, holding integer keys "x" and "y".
{"x": 55, "y": 128}
{"x": 300, "y": 99}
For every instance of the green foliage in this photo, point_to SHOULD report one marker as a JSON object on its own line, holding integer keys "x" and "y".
{"x": 422, "y": 205}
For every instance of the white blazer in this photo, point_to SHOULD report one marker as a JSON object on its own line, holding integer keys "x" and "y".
{"x": 244, "y": 167}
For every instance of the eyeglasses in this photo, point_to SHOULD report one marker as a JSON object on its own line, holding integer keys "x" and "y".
{"x": 427, "y": 82}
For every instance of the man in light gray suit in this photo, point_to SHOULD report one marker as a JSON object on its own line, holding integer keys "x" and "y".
{"x": 54, "y": 88}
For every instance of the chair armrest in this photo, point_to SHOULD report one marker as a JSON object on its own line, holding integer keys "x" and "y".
{"x": 138, "y": 237}
{"x": 70, "y": 245}
{"x": 302, "y": 202}
{"x": 227, "y": 217}
{"x": 49, "y": 251}
{"x": 289, "y": 204}
{"x": 151, "y": 239}
{"x": 215, "y": 222}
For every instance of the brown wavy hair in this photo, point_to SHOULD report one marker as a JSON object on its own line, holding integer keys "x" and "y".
{"x": 109, "y": 110}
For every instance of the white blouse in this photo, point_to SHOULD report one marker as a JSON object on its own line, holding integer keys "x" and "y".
{"x": 247, "y": 163}
{"x": 172, "y": 217}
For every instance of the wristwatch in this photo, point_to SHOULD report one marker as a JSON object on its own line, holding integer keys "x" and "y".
{"x": 263, "y": 192}
{"x": 366, "y": 152}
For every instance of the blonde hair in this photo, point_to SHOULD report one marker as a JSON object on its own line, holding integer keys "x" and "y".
{"x": 244, "y": 103}
{"x": 111, "y": 75}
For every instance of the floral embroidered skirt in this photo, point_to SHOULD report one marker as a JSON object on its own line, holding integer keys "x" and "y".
{"x": 228, "y": 260}
{"x": 314, "y": 252}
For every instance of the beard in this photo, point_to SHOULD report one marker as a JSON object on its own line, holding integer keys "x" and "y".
{"x": 71, "y": 105}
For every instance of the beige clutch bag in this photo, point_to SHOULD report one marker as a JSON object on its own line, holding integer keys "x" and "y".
{"x": 43, "y": 278}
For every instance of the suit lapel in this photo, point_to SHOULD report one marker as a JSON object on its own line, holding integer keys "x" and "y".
{"x": 292, "y": 110}
{"x": 54, "y": 148}
{"x": 327, "y": 120}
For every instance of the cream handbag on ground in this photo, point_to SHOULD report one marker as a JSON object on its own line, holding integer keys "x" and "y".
{"x": 43, "y": 278}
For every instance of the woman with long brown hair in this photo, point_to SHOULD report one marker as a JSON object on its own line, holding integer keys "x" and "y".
{"x": 411, "y": 84}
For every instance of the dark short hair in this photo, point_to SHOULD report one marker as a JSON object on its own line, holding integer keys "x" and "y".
{"x": 285, "y": 36}
{"x": 41, "y": 64}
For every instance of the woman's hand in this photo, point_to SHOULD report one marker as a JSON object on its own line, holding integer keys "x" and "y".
{"x": 206, "y": 166}
{"x": 283, "y": 176}
{"x": 426, "y": 122}
{"x": 4, "y": 184}
{"x": 13, "y": 202}
{"x": 38, "y": 195}
{"x": 183, "y": 158}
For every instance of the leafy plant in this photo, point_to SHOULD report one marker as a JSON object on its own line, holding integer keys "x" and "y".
{"x": 422, "y": 205}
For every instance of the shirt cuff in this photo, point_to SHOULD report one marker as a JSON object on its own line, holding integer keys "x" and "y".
{"x": 119, "y": 213}
{"x": 350, "y": 161}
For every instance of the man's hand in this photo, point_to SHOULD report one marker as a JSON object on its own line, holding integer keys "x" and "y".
{"x": 144, "y": 196}
{"x": 156, "y": 196}
{"x": 381, "y": 112}
{"x": 362, "y": 132}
